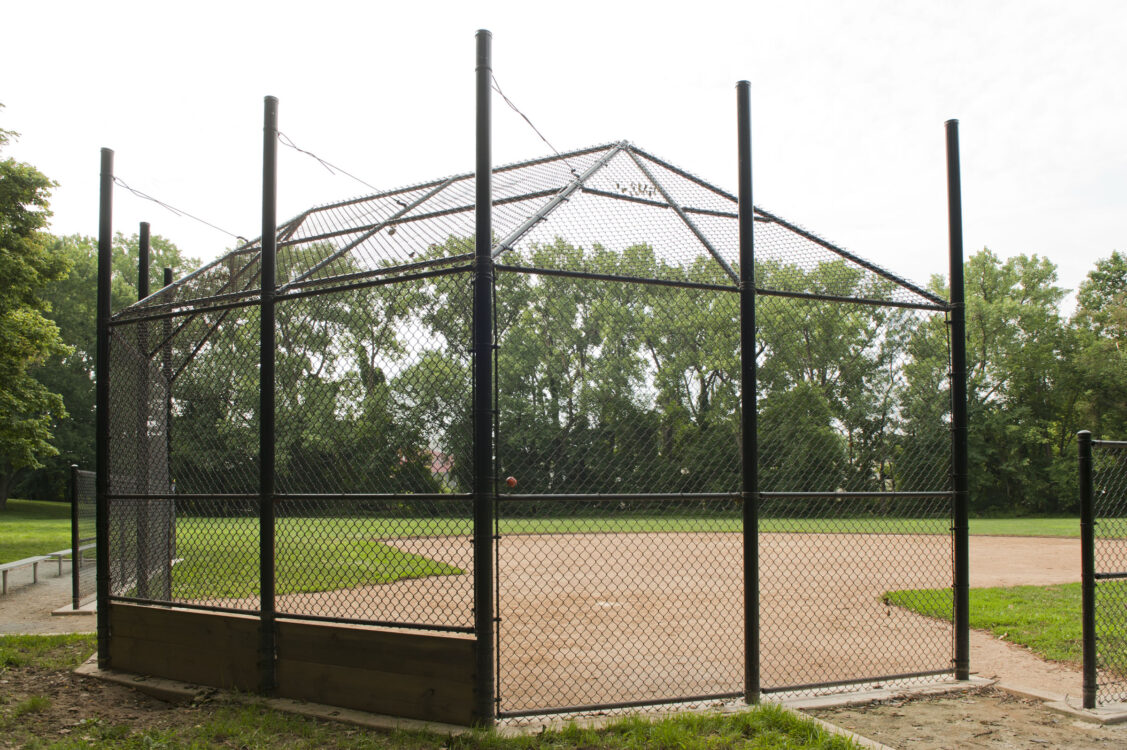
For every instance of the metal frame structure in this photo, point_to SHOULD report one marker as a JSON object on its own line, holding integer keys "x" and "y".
{"x": 311, "y": 257}
{"x": 1103, "y": 565}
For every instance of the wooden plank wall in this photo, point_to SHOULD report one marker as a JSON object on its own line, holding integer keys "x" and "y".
{"x": 199, "y": 647}
{"x": 419, "y": 676}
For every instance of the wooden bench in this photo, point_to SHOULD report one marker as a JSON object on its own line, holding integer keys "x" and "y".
{"x": 32, "y": 561}
{"x": 65, "y": 554}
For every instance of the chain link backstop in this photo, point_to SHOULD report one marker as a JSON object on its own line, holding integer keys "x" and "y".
{"x": 622, "y": 547}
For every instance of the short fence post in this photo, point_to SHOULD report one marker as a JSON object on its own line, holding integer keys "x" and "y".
{"x": 75, "y": 554}
{"x": 1087, "y": 567}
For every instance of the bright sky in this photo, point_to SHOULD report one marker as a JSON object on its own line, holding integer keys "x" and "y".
{"x": 849, "y": 101}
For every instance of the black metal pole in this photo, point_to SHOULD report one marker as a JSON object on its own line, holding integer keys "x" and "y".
{"x": 484, "y": 706}
{"x": 1087, "y": 568}
{"x": 169, "y": 482}
{"x": 144, "y": 507}
{"x": 75, "y": 560}
{"x": 143, "y": 253}
{"x": 102, "y": 402}
{"x": 748, "y": 385}
{"x": 267, "y": 677}
{"x": 960, "y": 479}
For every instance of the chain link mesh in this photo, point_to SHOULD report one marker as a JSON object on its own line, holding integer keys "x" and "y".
{"x": 83, "y": 536}
{"x": 1109, "y": 508}
{"x": 620, "y": 554}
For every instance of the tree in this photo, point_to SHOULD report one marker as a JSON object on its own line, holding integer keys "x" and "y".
{"x": 1101, "y": 349}
{"x": 72, "y": 302}
{"x": 27, "y": 336}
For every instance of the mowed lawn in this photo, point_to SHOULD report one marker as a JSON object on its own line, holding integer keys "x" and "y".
{"x": 217, "y": 557}
{"x": 1044, "y": 619}
{"x": 31, "y": 527}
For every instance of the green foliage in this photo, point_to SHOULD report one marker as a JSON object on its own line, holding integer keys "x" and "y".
{"x": 72, "y": 302}
{"x": 27, "y": 336}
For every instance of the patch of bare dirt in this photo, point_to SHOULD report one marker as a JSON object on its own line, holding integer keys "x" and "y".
{"x": 989, "y": 718}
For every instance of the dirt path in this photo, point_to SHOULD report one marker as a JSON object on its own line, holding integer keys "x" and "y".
{"x": 27, "y": 607}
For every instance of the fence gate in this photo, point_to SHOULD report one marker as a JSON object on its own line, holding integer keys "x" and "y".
{"x": 1103, "y": 528}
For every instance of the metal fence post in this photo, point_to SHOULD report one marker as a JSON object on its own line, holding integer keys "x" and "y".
{"x": 266, "y": 666}
{"x": 75, "y": 560}
{"x": 1087, "y": 568}
{"x": 748, "y": 406}
{"x": 169, "y": 481}
{"x": 102, "y": 402}
{"x": 144, "y": 505}
{"x": 483, "y": 488}
{"x": 960, "y": 480}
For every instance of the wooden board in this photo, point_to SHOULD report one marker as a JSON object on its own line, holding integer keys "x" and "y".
{"x": 200, "y": 647}
{"x": 415, "y": 675}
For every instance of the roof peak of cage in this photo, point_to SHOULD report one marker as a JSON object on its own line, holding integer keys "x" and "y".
{"x": 626, "y": 189}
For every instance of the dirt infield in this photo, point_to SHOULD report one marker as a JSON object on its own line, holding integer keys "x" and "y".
{"x": 601, "y": 617}
{"x": 597, "y": 618}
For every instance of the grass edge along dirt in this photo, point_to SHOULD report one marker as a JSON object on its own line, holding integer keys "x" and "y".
{"x": 1044, "y": 619}
{"x": 243, "y": 724}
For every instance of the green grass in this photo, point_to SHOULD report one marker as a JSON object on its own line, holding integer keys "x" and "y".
{"x": 32, "y": 527}
{"x": 29, "y": 720}
{"x": 1045, "y": 619}
{"x": 220, "y": 557}
{"x": 45, "y": 651}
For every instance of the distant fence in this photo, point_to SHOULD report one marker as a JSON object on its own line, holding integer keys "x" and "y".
{"x": 1103, "y": 531}
{"x": 82, "y": 535}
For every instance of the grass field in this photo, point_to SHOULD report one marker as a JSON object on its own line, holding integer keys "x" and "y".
{"x": 1045, "y": 619}
{"x": 41, "y": 707}
{"x": 30, "y": 527}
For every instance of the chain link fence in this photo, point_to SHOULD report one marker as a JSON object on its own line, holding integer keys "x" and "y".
{"x": 83, "y": 536}
{"x": 621, "y": 562}
{"x": 1104, "y": 515}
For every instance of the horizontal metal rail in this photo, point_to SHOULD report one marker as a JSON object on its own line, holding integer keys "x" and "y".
{"x": 591, "y": 707}
{"x": 1111, "y": 443}
{"x": 1116, "y": 576}
{"x": 685, "y": 496}
{"x": 858, "y": 681}
{"x": 302, "y": 294}
{"x": 850, "y": 300}
{"x": 376, "y": 623}
{"x": 297, "y": 496}
{"x": 831, "y": 493}
{"x": 184, "y": 605}
{"x": 616, "y": 277}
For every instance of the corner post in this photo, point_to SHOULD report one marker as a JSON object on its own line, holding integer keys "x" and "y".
{"x": 1087, "y": 569}
{"x": 483, "y": 416}
{"x": 960, "y": 480}
{"x": 266, "y": 664}
{"x": 749, "y": 443}
{"x": 102, "y": 403}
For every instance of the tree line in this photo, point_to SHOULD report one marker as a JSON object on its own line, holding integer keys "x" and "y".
{"x": 601, "y": 386}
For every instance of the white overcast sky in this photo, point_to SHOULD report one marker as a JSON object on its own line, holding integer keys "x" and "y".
{"x": 849, "y": 101}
